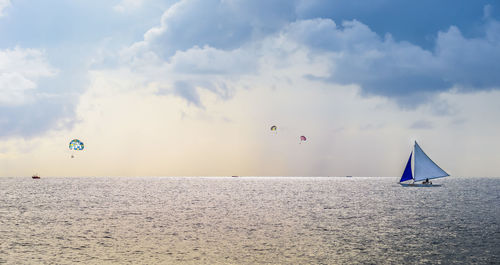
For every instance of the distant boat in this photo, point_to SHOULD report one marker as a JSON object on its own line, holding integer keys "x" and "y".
{"x": 348, "y": 176}
{"x": 234, "y": 176}
{"x": 35, "y": 176}
{"x": 424, "y": 169}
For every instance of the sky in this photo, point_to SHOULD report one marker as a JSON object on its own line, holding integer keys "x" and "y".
{"x": 192, "y": 87}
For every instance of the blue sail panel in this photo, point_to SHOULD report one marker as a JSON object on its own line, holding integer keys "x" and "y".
{"x": 407, "y": 173}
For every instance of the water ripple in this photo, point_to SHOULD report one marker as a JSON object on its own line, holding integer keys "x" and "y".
{"x": 248, "y": 220}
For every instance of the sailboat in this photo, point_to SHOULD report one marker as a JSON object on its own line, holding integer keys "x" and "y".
{"x": 424, "y": 169}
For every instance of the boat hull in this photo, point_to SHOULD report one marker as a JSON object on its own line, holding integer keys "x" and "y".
{"x": 419, "y": 185}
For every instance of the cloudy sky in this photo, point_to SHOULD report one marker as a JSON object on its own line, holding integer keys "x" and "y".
{"x": 191, "y": 87}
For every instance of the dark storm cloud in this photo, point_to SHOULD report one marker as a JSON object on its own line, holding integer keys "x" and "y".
{"x": 410, "y": 72}
{"x": 402, "y": 70}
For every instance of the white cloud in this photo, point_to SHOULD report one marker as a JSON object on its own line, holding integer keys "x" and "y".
{"x": 219, "y": 24}
{"x": 20, "y": 70}
{"x": 31, "y": 102}
{"x": 3, "y": 5}
{"x": 14, "y": 88}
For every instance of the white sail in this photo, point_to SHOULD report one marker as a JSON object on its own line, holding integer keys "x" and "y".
{"x": 424, "y": 167}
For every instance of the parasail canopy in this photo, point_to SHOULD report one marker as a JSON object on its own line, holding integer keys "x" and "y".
{"x": 76, "y": 145}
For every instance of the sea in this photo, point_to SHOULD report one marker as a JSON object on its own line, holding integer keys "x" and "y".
{"x": 248, "y": 220}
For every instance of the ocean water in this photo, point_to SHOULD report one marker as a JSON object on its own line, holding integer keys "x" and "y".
{"x": 248, "y": 220}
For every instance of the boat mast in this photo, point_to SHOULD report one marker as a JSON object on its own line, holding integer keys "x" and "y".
{"x": 413, "y": 164}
